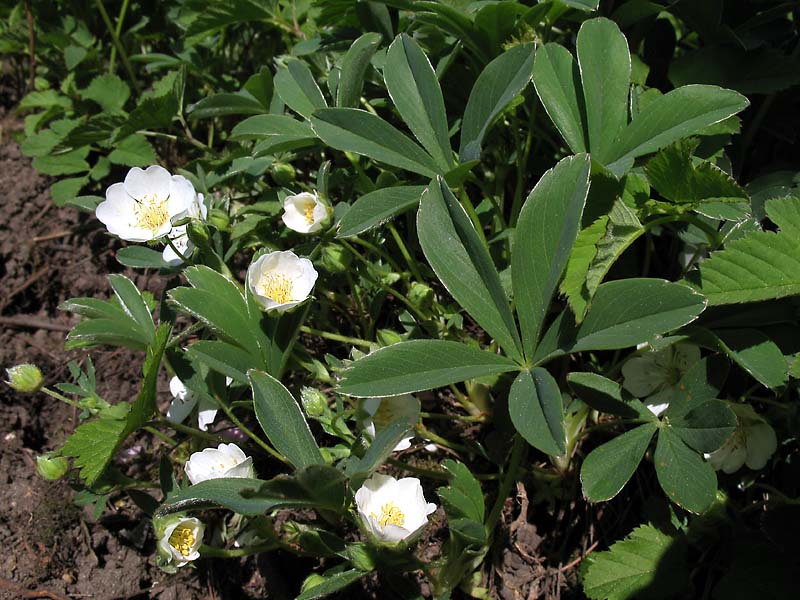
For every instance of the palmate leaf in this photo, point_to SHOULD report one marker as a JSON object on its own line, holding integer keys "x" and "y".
{"x": 647, "y": 564}
{"x": 761, "y": 266}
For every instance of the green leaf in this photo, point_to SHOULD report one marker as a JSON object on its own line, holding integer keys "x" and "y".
{"x": 283, "y": 421}
{"x": 463, "y": 497}
{"x": 648, "y": 564}
{"x": 331, "y": 584}
{"x": 314, "y": 487}
{"x": 609, "y": 467}
{"x": 605, "y": 66}
{"x": 133, "y": 151}
{"x": 584, "y": 251}
{"x": 221, "y": 13}
{"x": 546, "y": 230}
{"x": 556, "y": 78}
{"x": 260, "y": 86}
{"x": 109, "y": 91}
{"x": 221, "y": 305}
{"x": 65, "y": 163}
{"x": 354, "y": 67}
{"x": 630, "y": 311}
{"x": 157, "y": 109}
{"x": 760, "y": 266}
{"x": 537, "y": 411}
{"x": 375, "y": 208}
{"x": 219, "y": 105}
{"x": 419, "y": 365}
{"x": 584, "y": 5}
{"x": 607, "y": 396}
{"x": 463, "y": 265}
{"x": 415, "y": 91}
{"x": 145, "y": 404}
{"x": 65, "y": 190}
{"x": 274, "y": 133}
{"x": 296, "y": 86}
{"x": 756, "y": 353}
{"x": 379, "y": 450}
{"x": 706, "y": 426}
{"x": 671, "y": 117}
{"x": 687, "y": 479}
{"x": 499, "y": 83}
{"x": 224, "y": 358}
{"x": 130, "y": 298}
{"x": 141, "y": 257}
{"x": 353, "y": 130}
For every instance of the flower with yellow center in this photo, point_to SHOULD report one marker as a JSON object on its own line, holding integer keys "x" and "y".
{"x": 305, "y": 213}
{"x": 393, "y": 510}
{"x": 281, "y": 280}
{"x": 180, "y": 541}
{"x": 143, "y": 207}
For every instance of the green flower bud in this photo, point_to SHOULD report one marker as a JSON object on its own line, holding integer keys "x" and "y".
{"x": 283, "y": 174}
{"x": 335, "y": 259}
{"x": 421, "y": 295}
{"x": 314, "y": 402}
{"x": 386, "y": 179}
{"x": 198, "y": 233}
{"x": 219, "y": 219}
{"x": 387, "y": 337}
{"x": 51, "y": 467}
{"x": 25, "y": 378}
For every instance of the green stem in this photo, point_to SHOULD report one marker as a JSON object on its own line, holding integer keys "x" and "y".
{"x": 58, "y": 396}
{"x": 210, "y": 551}
{"x": 180, "y": 254}
{"x": 518, "y": 451}
{"x": 410, "y": 261}
{"x": 161, "y": 435}
{"x": 118, "y": 45}
{"x": 193, "y": 431}
{"x": 439, "y": 416}
{"x": 382, "y": 253}
{"x": 266, "y": 447}
{"x": 336, "y": 337}
{"x": 424, "y": 432}
{"x": 118, "y": 30}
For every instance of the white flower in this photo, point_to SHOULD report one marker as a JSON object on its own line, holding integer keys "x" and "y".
{"x": 281, "y": 280}
{"x": 654, "y": 375}
{"x": 379, "y": 413}
{"x": 143, "y": 207}
{"x": 184, "y": 401}
{"x": 393, "y": 510}
{"x": 304, "y": 213}
{"x": 752, "y": 443}
{"x": 179, "y": 237}
{"x": 181, "y": 540}
{"x": 226, "y": 460}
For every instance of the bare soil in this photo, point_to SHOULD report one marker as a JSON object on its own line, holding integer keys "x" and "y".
{"x": 51, "y": 548}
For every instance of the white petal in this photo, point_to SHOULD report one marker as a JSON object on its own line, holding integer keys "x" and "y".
{"x": 182, "y": 198}
{"x": 154, "y": 181}
{"x": 642, "y": 375}
{"x": 735, "y": 459}
{"x": 685, "y": 356}
{"x": 206, "y": 413}
{"x": 394, "y": 533}
{"x": 761, "y": 445}
{"x": 243, "y": 470}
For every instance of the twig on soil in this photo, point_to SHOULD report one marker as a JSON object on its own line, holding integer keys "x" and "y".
{"x": 578, "y": 560}
{"x": 52, "y": 236}
{"x": 29, "y": 322}
{"x": 23, "y": 593}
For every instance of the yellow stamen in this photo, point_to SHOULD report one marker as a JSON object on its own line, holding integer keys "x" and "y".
{"x": 182, "y": 539}
{"x": 276, "y": 286}
{"x": 151, "y": 213}
{"x": 308, "y": 213}
{"x": 390, "y": 514}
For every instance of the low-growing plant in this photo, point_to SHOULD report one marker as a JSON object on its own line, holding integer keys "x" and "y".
{"x": 505, "y": 233}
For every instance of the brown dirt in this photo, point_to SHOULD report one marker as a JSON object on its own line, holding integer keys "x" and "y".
{"x": 50, "y": 548}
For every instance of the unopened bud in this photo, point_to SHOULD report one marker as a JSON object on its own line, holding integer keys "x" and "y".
{"x": 314, "y": 402}
{"x": 25, "y": 378}
{"x": 51, "y": 467}
{"x": 283, "y": 174}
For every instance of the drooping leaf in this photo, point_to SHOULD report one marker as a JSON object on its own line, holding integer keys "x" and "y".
{"x": 463, "y": 264}
{"x": 546, "y": 230}
{"x": 537, "y": 411}
{"x": 419, "y": 365}
{"x": 497, "y": 85}
{"x": 415, "y": 91}
{"x": 609, "y": 467}
{"x": 379, "y": 450}
{"x": 353, "y": 130}
{"x": 282, "y": 420}
{"x": 686, "y": 478}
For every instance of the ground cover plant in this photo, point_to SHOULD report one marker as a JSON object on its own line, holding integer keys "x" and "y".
{"x": 442, "y": 283}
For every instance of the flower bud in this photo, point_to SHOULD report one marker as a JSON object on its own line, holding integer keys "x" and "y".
{"x": 387, "y": 337}
{"x": 219, "y": 219}
{"x": 51, "y": 467}
{"x": 25, "y": 378}
{"x": 314, "y": 402}
{"x": 335, "y": 259}
{"x": 421, "y": 295}
{"x": 198, "y": 233}
{"x": 283, "y": 174}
